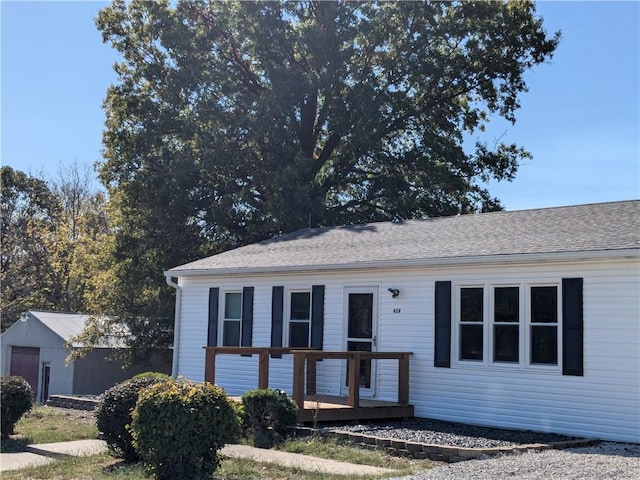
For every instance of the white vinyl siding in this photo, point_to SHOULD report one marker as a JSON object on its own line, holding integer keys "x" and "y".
{"x": 604, "y": 403}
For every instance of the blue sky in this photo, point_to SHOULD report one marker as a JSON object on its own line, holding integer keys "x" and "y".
{"x": 580, "y": 118}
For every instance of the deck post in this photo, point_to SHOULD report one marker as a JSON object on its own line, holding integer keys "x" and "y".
{"x": 312, "y": 363}
{"x": 263, "y": 369}
{"x": 210, "y": 365}
{"x": 354, "y": 380}
{"x": 403, "y": 379}
{"x": 299, "y": 359}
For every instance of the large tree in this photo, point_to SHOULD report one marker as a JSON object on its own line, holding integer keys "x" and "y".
{"x": 233, "y": 121}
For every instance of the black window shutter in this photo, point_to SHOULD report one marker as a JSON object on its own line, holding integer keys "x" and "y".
{"x": 277, "y": 319}
{"x": 317, "y": 316}
{"x": 572, "y": 327}
{"x": 247, "y": 316}
{"x": 212, "y": 332}
{"x": 442, "y": 346}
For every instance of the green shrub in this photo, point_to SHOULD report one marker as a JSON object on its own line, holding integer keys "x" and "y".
{"x": 179, "y": 426}
{"x": 16, "y": 400}
{"x": 161, "y": 377}
{"x": 268, "y": 416}
{"x": 113, "y": 413}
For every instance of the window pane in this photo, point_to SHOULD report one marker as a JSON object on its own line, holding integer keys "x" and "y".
{"x": 360, "y": 315}
{"x": 506, "y": 343}
{"x": 299, "y": 334}
{"x": 233, "y": 305}
{"x": 231, "y": 334}
{"x": 300, "y": 305}
{"x": 471, "y": 305}
{"x": 544, "y": 304}
{"x": 544, "y": 345}
{"x": 470, "y": 342}
{"x": 507, "y": 304}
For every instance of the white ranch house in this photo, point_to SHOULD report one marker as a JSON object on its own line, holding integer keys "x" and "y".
{"x": 525, "y": 319}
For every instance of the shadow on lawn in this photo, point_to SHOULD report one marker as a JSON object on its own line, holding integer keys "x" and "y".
{"x": 14, "y": 444}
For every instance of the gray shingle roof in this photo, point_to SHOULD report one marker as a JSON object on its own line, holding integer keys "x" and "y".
{"x": 601, "y": 227}
{"x": 65, "y": 325}
{"x": 68, "y": 325}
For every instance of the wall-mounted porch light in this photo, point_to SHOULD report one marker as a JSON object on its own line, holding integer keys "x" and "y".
{"x": 394, "y": 292}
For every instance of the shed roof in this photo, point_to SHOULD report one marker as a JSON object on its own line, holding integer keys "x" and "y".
{"x": 589, "y": 229}
{"x": 68, "y": 325}
{"x": 65, "y": 325}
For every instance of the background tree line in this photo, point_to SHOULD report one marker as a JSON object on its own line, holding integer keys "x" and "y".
{"x": 56, "y": 239}
{"x": 231, "y": 122}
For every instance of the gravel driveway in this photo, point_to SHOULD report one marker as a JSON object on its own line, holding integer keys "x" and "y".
{"x": 606, "y": 461}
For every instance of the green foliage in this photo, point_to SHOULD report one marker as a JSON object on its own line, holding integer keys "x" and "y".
{"x": 179, "y": 426}
{"x": 161, "y": 377}
{"x": 16, "y": 400}
{"x": 52, "y": 233}
{"x": 29, "y": 212}
{"x": 113, "y": 413}
{"x": 268, "y": 416}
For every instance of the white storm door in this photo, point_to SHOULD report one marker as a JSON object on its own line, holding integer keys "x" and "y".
{"x": 361, "y": 313}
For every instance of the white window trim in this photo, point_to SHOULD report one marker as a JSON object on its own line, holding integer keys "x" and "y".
{"x": 456, "y": 324}
{"x": 539, "y": 366}
{"x": 222, "y": 318}
{"x": 491, "y": 323}
{"x": 524, "y": 323}
{"x": 287, "y": 313}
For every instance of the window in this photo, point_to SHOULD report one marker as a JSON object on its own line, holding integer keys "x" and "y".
{"x": 471, "y": 323}
{"x": 300, "y": 319}
{"x": 232, "y": 319}
{"x": 506, "y": 327}
{"x": 515, "y": 324}
{"x": 544, "y": 325}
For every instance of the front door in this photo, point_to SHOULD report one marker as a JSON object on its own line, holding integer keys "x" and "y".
{"x": 362, "y": 325}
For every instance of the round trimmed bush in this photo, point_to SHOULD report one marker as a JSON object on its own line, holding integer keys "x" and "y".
{"x": 268, "y": 415}
{"x": 179, "y": 426}
{"x": 113, "y": 413}
{"x": 16, "y": 400}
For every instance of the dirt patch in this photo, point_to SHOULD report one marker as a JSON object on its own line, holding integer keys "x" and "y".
{"x": 72, "y": 413}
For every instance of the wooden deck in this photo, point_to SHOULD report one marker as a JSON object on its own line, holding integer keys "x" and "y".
{"x": 323, "y": 408}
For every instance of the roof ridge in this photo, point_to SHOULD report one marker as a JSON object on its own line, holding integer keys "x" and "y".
{"x": 495, "y": 212}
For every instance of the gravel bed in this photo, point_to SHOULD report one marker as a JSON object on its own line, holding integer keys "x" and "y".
{"x": 447, "y": 433}
{"x": 607, "y": 460}
{"x": 73, "y": 414}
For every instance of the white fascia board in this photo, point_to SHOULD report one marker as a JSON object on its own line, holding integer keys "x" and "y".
{"x": 428, "y": 262}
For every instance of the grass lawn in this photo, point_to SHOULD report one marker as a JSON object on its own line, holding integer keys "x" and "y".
{"x": 345, "y": 452}
{"x": 105, "y": 467}
{"x": 47, "y": 424}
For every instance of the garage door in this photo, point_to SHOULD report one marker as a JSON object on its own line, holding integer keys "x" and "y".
{"x": 24, "y": 362}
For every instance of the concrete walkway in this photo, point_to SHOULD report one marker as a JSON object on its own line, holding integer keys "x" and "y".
{"x": 48, "y": 452}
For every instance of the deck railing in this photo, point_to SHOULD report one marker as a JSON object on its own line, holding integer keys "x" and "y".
{"x": 306, "y": 360}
